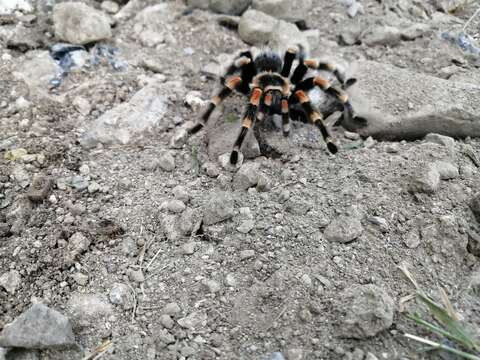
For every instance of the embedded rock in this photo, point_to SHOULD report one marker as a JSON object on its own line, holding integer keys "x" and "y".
{"x": 397, "y": 104}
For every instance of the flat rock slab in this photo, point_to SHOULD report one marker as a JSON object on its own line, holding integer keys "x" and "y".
{"x": 402, "y": 105}
{"x": 129, "y": 121}
{"x": 38, "y": 328}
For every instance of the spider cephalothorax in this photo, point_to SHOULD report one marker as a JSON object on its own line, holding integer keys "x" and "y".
{"x": 272, "y": 89}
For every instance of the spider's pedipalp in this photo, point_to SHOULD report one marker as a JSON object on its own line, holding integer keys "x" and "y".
{"x": 247, "y": 122}
{"x": 230, "y": 84}
{"x": 317, "y": 119}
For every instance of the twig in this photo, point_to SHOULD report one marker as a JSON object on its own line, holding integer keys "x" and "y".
{"x": 470, "y": 20}
{"x": 153, "y": 259}
{"x": 134, "y": 301}
{"x": 99, "y": 351}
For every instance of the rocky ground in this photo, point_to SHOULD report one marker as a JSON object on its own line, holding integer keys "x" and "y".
{"x": 122, "y": 238}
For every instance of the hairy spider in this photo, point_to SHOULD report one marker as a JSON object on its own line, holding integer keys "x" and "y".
{"x": 266, "y": 80}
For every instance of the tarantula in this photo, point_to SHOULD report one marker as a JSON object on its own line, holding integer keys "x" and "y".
{"x": 266, "y": 80}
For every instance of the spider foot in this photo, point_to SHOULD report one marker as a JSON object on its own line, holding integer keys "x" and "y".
{"x": 234, "y": 157}
{"x": 332, "y": 147}
{"x": 195, "y": 129}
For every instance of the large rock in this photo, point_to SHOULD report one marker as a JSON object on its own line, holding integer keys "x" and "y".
{"x": 219, "y": 207}
{"x": 284, "y": 9}
{"x": 231, "y": 7}
{"x": 222, "y": 135}
{"x": 258, "y": 28}
{"x": 130, "y": 121}
{"x": 37, "y": 70}
{"x": 343, "y": 229}
{"x": 38, "y": 328}
{"x": 398, "y": 104}
{"x": 365, "y": 311}
{"x": 77, "y": 23}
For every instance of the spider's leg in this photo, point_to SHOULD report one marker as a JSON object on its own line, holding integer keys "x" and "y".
{"x": 326, "y": 86}
{"x": 326, "y": 66}
{"x": 299, "y": 72}
{"x": 288, "y": 61}
{"x": 230, "y": 84}
{"x": 317, "y": 119}
{"x": 247, "y": 122}
{"x": 285, "y": 116}
{"x": 243, "y": 59}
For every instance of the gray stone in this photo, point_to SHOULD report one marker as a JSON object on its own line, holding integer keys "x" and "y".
{"x": 188, "y": 248}
{"x": 474, "y": 284}
{"x": 10, "y": 281}
{"x": 446, "y": 141}
{"x": 284, "y": 9}
{"x": 181, "y": 193}
{"x": 87, "y": 308}
{"x": 38, "y": 328}
{"x": 247, "y": 176}
{"x": 179, "y": 138}
{"x": 370, "y": 356}
{"x": 129, "y": 121}
{"x": 448, "y": 5}
{"x": 446, "y": 170}
{"x": 475, "y": 206}
{"x": 39, "y": 188}
{"x": 19, "y": 214}
{"x": 166, "y": 321}
{"x": 171, "y": 309}
{"x": 136, "y": 276}
{"x": 426, "y": 179}
{"x": 440, "y": 106}
{"x": 110, "y": 7}
{"x": 165, "y": 337}
{"x": 193, "y": 321}
{"x": 365, "y": 311}
{"x": 256, "y": 27}
{"x": 382, "y": 35}
{"x": 231, "y": 7}
{"x": 77, "y": 244}
{"x": 222, "y": 135}
{"x": 120, "y": 294}
{"x": 343, "y": 229}
{"x": 219, "y": 207}
{"x": 247, "y": 254}
{"x": 412, "y": 239}
{"x": 24, "y": 38}
{"x": 294, "y": 354}
{"x": 276, "y": 356}
{"x": 175, "y": 206}
{"x": 77, "y": 23}
{"x": 246, "y": 226}
{"x": 212, "y": 286}
{"x": 287, "y": 35}
{"x": 36, "y": 71}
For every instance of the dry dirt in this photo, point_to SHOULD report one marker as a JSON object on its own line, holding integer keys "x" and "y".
{"x": 278, "y": 287}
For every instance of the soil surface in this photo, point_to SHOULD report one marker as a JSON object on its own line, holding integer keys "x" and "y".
{"x": 169, "y": 255}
